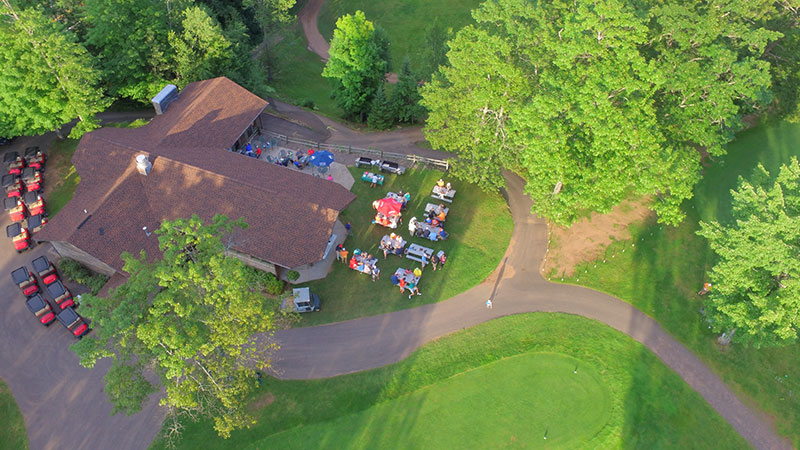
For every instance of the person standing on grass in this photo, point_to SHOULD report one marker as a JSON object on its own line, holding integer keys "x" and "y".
{"x": 344, "y": 254}
{"x": 489, "y": 304}
{"x": 434, "y": 261}
{"x": 347, "y": 228}
{"x": 376, "y": 272}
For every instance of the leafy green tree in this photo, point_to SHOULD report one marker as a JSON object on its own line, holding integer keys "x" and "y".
{"x": 192, "y": 317}
{"x": 434, "y": 52}
{"x": 270, "y": 14}
{"x": 591, "y": 101}
{"x": 405, "y": 97}
{"x": 130, "y": 39}
{"x": 47, "y": 78}
{"x": 381, "y": 114}
{"x": 756, "y": 281}
{"x": 201, "y": 50}
{"x": 355, "y": 64}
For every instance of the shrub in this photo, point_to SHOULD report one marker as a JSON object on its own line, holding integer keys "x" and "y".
{"x": 274, "y": 286}
{"x": 264, "y": 280}
{"x": 292, "y": 275}
{"x": 78, "y": 273}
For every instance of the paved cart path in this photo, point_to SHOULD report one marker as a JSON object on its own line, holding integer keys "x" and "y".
{"x": 355, "y": 345}
{"x": 65, "y": 407}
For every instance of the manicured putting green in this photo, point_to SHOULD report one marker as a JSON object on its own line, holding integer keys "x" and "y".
{"x": 515, "y": 401}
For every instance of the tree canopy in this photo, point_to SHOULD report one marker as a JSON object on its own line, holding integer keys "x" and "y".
{"x": 357, "y": 63}
{"x": 201, "y": 51}
{"x": 195, "y": 317}
{"x": 47, "y": 78}
{"x": 591, "y": 101}
{"x": 756, "y": 288}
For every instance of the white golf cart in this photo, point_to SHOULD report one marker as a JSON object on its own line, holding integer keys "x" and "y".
{"x": 304, "y": 300}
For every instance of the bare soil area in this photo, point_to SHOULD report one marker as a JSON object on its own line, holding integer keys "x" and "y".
{"x": 587, "y": 239}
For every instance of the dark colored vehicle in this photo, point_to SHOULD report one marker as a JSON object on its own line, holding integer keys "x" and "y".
{"x": 19, "y": 236}
{"x": 34, "y": 202}
{"x": 25, "y": 281}
{"x": 73, "y": 322}
{"x": 61, "y": 295}
{"x": 13, "y": 185}
{"x": 34, "y": 158}
{"x": 14, "y": 163}
{"x": 32, "y": 179}
{"x": 15, "y": 207}
{"x": 45, "y": 269}
{"x": 35, "y": 223}
{"x": 392, "y": 167}
{"x": 41, "y": 309}
{"x": 9, "y": 157}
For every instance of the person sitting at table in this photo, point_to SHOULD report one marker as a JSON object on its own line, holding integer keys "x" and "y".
{"x": 395, "y": 281}
{"x": 402, "y": 284}
{"x": 407, "y": 197}
{"x": 443, "y": 235}
{"x": 367, "y": 269}
{"x": 435, "y": 223}
{"x": 431, "y": 214}
{"x": 447, "y": 186}
{"x": 435, "y": 262}
{"x": 353, "y": 262}
{"x": 442, "y": 215}
{"x": 432, "y": 235}
{"x": 386, "y": 249}
{"x": 442, "y": 259}
{"x": 440, "y": 183}
{"x": 412, "y": 288}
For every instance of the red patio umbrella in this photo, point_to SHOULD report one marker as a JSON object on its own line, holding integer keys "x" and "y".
{"x": 388, "y": 206}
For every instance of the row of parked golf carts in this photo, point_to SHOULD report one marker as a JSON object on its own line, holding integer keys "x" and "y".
{"x": 23, "y": 185}
{"x": 58, "y": 294}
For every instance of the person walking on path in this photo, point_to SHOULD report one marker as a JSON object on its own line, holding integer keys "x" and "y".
{"x": 489, "y": 304}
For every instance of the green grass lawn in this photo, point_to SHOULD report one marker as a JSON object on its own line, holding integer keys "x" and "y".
{"x": 405, "y": 22}
{"x": 298, "y": 79}
{"x": 504, "y": 383}
{"x": 13, "y": 435}
{"x": 61, "y": 177}
{"x": 660, "y": 270}
{"x": 480, "y": 228}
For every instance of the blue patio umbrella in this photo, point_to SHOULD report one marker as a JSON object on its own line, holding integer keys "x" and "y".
{"x": 321, "y": 159}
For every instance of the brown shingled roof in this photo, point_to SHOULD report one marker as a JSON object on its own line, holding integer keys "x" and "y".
{"x": 291, "y": 214}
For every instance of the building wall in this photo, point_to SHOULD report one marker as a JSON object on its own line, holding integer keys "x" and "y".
{"x": 259, "y": 264}
{"x": 67, "y": 250}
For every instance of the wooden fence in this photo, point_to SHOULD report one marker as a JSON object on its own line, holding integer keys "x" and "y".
{"x": 375, "y": 154}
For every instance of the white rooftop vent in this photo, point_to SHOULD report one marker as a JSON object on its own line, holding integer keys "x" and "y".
{"x": 162, "y": 100}
{"x": 143, "y": 165}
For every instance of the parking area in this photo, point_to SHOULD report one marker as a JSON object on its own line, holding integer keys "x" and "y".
{"x": 64, "y": 404}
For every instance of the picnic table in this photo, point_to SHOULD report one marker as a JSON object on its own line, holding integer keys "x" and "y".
{"x": 361, "y": 263}
{"x": 368, "y": 177}
{"x": 437, "y": 210}
{"x": 443, "y": 193}
{"x": 407, "y": 276}
{"x": 400, "y": 198}
{"x": 392, "y": 245}
{"x": 418, "y": 252}
{"x": 426, "y": 230}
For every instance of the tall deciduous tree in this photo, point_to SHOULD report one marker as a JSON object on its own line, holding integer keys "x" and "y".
{"x": 356, "y": 64}
{"x": 130, "y": 39}
{"x": 756, "y": 282}
{"x": 405, "y": 97}
{"x": 192, "y": 317}
{"x": 201, "y": 50}
{"x": 270, "y": 14}
{"x": 594, "y": 100}
{"x": 47, "y": 78}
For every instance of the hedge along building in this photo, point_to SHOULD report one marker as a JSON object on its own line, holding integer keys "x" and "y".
{"x": 179, "y": 164}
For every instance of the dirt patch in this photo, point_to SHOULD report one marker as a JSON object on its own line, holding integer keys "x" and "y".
{"x": 587, "y": 239}
{"x": 261, "y": 402}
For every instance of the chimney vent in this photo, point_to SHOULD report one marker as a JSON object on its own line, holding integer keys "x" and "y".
{"x": 143, "y": 165}
{"x": 162, "y": 100}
